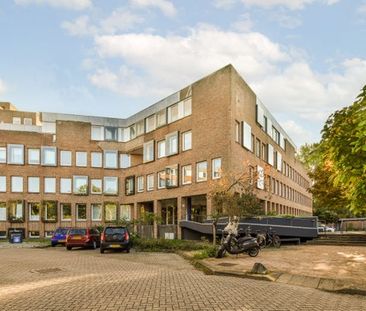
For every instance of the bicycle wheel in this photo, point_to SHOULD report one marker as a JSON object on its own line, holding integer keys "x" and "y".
{"x": 276, "y": 241}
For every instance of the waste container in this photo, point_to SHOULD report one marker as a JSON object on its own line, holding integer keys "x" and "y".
{"x": 16, "y": 237}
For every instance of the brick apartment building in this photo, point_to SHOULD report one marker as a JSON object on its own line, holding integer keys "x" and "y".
{"x": 69, "y": 170}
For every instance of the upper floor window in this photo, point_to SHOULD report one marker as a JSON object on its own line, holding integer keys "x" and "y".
{"x": 2, "y": 154}
{"x": 17, "y": 120}
{"x": 132, "y": 129}
{"x": 161, "y": 118}
{"x": 111, "y": 133}
{"x": 110, "y": 159}
{"x": 201, "y": 171}
{"x": 16, "y": 154}
{"x": 110, "y": 185}
{"x": 140, "y": 184}
{"x": 187, "y": 107}
{"x": 140, "y": 128}
{"x": 237, "y": 131}
{"x": 173, "y": 113}
{"x": 187, "y": 174}
{"x": 171, "y": 176}
{"x": 49, "y": 185}
{"x": 80, "y": 185}
{"x": 97, "y": 132}
{"x": 49, "y": 156}
{"x": 258, "y": 148}
{"x": 2, "y": 183}
{"x": 96, "y": 186}
{"x": 65, "y": 158}
{"x": 34, "y": 156}
{"x": 187, "y": 140}
{"x": 270, "y": 154}
{"x": 161, "y": 149}
{"x": 275, "y": 135}
{"x": 125, "y": 160}
{"x": 216, "y": 168}
{"x": 171, "y": 143}
{"x": 96, "y": 159}
{"x": 149, "y": 151}
{"x": 150, "y": 182}
{"x": 161, "y": 179}
{"x": 247, "y": 136}
{"x": 81, "y": 158}
{"x": 16, "y": 184}
{"x": 27, "y": 121}
{"x": 33, "y": 184}
{"x": 150, "y": 123}
{"x": 130, "y": 185}
{"x": 65, "y": 185}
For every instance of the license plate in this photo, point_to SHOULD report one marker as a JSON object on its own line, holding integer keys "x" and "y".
{"x": 76, "y": 237}
{"x": 115, "y": 246}
{"x": 61, "y": 241}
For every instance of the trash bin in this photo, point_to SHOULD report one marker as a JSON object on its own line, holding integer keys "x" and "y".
{"x": 16, "y": 237}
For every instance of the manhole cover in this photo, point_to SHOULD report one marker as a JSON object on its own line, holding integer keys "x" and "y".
{"x": 227, "y": 264}
{"x": 45, "y": 271}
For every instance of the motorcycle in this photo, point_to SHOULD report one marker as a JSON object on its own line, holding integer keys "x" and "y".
{"x": 234, "y": 244}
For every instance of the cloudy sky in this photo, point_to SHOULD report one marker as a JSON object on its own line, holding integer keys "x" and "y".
{"x": 303, "y": 58}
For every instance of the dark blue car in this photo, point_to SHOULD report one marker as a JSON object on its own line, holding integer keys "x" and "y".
{"x": 59, "y": 236}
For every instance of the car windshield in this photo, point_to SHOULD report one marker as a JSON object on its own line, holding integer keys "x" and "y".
{"x": 78, "y": 231}
{"x": 61, "y": 231}
{"x": 115, "y": 230}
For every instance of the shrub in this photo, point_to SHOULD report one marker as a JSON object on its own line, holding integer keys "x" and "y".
{"x": 162, "y": 245}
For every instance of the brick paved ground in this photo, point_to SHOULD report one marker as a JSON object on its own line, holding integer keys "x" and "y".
{"x": 55, "y": 279}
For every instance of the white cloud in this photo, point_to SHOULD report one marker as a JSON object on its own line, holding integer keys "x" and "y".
{"x": 286, "y": 20}
{"x": 289, "y": 4}
{"x": 81, "y": 26}
{"x": 297, "y": 133}
{"x": 165, "y": 6}
{"x": 362, "y": 9}
{"x": 67, "y": 4}
{"x": 224, "y": 4}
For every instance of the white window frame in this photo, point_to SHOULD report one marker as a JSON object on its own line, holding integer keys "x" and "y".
{"x": 106, "y": 181}
{"x": 27, "y": 121}
{"x": 96, "y": 159}
{"x": 62, "y": 212}
{"x": 140, "y": 127}
{"x": 216, "y": 174}
{"x": 124, "y": 160}
{"x": 161, "y": 118}
{"x": 161, "y": 149}
{"x": 247, "y": 136}
{"x": 34, "y": 152}
{"x": 95, "y": 182}
{"x": 184, "y": 175}
{"x": 198, "y": 165}
{"x": 74, "y": 184}
{"x": 187, "y": 107}
{"x": 17, "y": 120}
{"x": 35, "y": 217}
{"x": 65, "y": 185}
{"x": 100, "y": 207}
{"x": 2, "y": 183}
{"x": 50, "y": 188}
{"x": 171, "y": 149}
{"x": 159, "y": 177}
{"x": 150, "y": 179}
{"x": 97, "y": 132}
{"x": 31, "y": 236}
{"x": 13, "y": 181}
{"x": 187, "y": 141}
{"x": 125, "y": 214}
{"x": 105, "y": 156}
{"x": 3, "y": 154}
{"x": 10, "y": 148}
{"x": 33, "y": 188}
{"x": 270, "y": 155}
{"x": 81, "y": 159}
{"x": 77, "y": 211}
{"x": 3, "y": 211}
{"x": 65, "y": 158}
{"x": 148, "y": 153}
{"x": 45, "y": 149}
{"x": 150, "y": 123}
{"x": 172, "y": 117}
{"x": 140, "y": 184}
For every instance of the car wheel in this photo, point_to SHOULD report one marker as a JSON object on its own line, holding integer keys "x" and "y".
{"x": 102, "y": 250}
{"x": 69, "y": 248}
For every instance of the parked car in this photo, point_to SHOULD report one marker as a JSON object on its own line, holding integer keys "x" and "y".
{"x": 80, "y": 237}
{"x": 59, "y": 236}
{"x": 115, "y": 238}
{"x": 323, "y": 228}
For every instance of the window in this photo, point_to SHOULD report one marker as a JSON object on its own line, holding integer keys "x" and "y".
{"x": 49, "y": 156}
{"x": 216, "y": 168}
{"x": 111, "y": 133}
{"x": 161, "y": 149}
{"x": 2, "y": 183}
{"x": 130, "y": 185}
{"x": 270, "y": 154}
{"x": 16, "y": 154}
{"x": 16, "y": 211}
{"x": 34, "y": 211}
{"x": 65, "y": 185}
{"x": 49, "y": 127}
{"x": 150, "y": 123}
{"x": 187, "y": 140}
{"x": 275, "y": 135}
{"x": 33, "y": 234}
{"x": 96, "y": 159}
{"x": 201, "y": 171}
{"x": 49, "y": 185}
{"x": 2, "y": 211}
{"x": 27, "y": 121}
{"x": 237, "y": 131}
{"x": 258, "y": 148}
{"x": 260, "y": 177}
{"x": 173, "y": 113}
{"x": 65, "y": 158}
{"x": 97, "y": 132}
{"x": 65, "y": 211}
{"x": 247, "y": 136}
{"x": 96, "y": 212}
{"x": 161, "y": 180}
{"x": 124, "y": 160}
{"x": 50, "y": 211}
{"x": 125, "y": 212}
{"x": 260, "y": 114}
{"x": 149, "y": 151}
{"x": 140, "y": 184}
{"x": 16, "y": 184}
{"x": 171, "y": 143}
{"x": 150, "y": 182}
{"x": 17, "y": 120}
{"x": 171, "y": 176}
{"x": 2, "y": 234}
{"x": 110, "y": 185}
{"x": 96, "y": 186}
{"x": 132, "y": 129}
{"x": 81, "y": 212}
{"x": 81, "y": 158}
{"x": 110, "y": 212}
{"x": 187, "y": 107}
{"x": 34, "y": 156}
{"x": 161, "y": 118}
{"x": 279, "y": 161}
{"x": 110, "y": 159}
{"x": 187, "y": 174}
{"x": 2, "y": 154}
{"x": 264, "y": 152}
{"x": 33, "y": 184}
{"x": 140, "y": 128}
{"x": 80, "y": 185}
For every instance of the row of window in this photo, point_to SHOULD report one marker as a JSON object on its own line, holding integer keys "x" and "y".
{"x": 47, "y": 211}
{"x": 26, "y": 121}
{"x": 167, "y": 178}
{"x": 168, "y": 115}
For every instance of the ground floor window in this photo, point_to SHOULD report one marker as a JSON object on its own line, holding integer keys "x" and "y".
{"x": 81, "y": 212}
{"x": 2, "y": 211}
{"x": 16, "y": 211}
{"x": 33, "y": 234}
{"x": 96, "y": 212}
{"x": 34, "y": 211}
{"x": 50, "y": 211}
{"x": 125, "y": 212}
{"x": 65, "y": 211}
{"x": 110, "y": 212}
{"x": 169, "y": 212}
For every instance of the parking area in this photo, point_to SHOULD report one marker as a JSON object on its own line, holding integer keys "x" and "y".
{"x": 55, "y": 279}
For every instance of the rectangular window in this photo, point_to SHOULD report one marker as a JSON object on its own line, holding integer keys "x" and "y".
{"x": 125, "y": 212}
{"x": 140, "y": 128}
{"x": 124, "y": 160}
{"x": 81, "y": 158}
{"x": 140, "y": 184}
{"x": 279, "y": 161}
{"x": 16, "y": 184}
{"x": 264, "y": 152}
{"x": 65, "y": 158}
{"x": 201, "y": 171}
{"x": 149, "y": 151}
{"x": 96, "y": 159}
{"x": 187, "y": 140}
{"x": 187, "y": 107}
{"x": 49, "y": 185}
{"x": 150, "y": 123}
{"x": 110, "y": 133}
{"x": 34, "y": 211}
{"x": 150, "y": 182}
{"x": 49, "y": 156}
{"x": 33, "y": 234}
{"x": 161, "y": 118}
{"x": 171, "y": 143}
{"x": 27, "y": 121}
{"x": 161, "y": 149}
{"x": 50, "y": 211}
{"x": 161, "y": 180}
{"x": 187, "y": 174}
{"x": 65, "y": 211}
{"x": 173, "y": 113}
{"x": 16, "y": 211}
{"x": 34, "y": 156}
{"x": 132, "y": 130}
{"x": 97, "y": 132}
{"x": 258, "y": 148}
{"x": 16, "y": 154}
{"x": 130, "y": 185}
{"x": 49, "y": 127}
{"x": 110, "y": 185}
{"x": 247, "y": 136}
{"x": 2, "y": 183}
{"x": 110, "y": 159}
{"x": 237, "y": 131}
{"x": 17, "y": 120}
{"x": 96, "y": 212}
{"x": 81, "y": 212}
{"x": 270, "y": 154}
{"x": 65, "y": 185}
{"x": 110, "y": 212}
{"x": 216, "y": 168}
{"x": 2, "y": 154}
{"x": 33, "y": 184}
{"x": 260, "y": 177}
{"x": 96, "y": 186}
{"x": 2, "y": 211}
{"x": 80, "y": 185}
{"x": 260, "y": 114}
{"x": 171, "y": 176}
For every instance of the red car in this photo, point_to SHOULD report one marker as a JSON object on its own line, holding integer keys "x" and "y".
{"x": 80, "y": 237}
